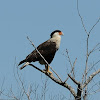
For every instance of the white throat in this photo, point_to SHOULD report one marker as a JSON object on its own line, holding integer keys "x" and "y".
{"x": 57, "y": 40}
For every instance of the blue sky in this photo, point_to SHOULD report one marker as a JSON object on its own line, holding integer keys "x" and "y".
{"x": 37, "y": 19}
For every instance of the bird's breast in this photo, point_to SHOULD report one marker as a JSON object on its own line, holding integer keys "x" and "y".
{"x": 57, "y": 40}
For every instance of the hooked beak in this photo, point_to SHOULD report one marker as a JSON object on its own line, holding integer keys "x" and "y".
{"x": 61, "y": 33}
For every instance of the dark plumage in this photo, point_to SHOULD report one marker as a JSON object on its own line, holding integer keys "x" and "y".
{"x": 47, "y": 50}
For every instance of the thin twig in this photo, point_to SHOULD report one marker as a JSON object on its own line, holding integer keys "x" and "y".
{"x": 90, "y": 78}
{"x": 22, "y": 85}
{"x": 95, "y": 84}
{"x": 74, "y": 67}
{"x": 94, "y": 49}
{"x": 94, "y": 25}
{"x": 69, "y": 58}
{"x": 72, "y": 70}
{"x": 95, "y": 91}
{"x": 93, "y": 65}
{"x": 81, "y": 19}
{"x": 73, "y": 79}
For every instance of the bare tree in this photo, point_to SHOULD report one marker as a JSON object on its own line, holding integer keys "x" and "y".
{"x": 81, "y": 92}
{"x": 82, "y": 87}
{"x": 24, "y": 92}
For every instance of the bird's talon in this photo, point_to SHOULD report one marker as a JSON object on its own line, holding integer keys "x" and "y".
{"x": 50, "y": 73}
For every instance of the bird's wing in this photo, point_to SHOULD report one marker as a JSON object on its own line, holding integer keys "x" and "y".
{"x": 46, "y": 48}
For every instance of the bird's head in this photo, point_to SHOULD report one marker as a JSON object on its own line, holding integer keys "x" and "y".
{"x": 56, "y": 33}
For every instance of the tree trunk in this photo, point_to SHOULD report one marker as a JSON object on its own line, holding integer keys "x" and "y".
{"x": 79, "y": 92}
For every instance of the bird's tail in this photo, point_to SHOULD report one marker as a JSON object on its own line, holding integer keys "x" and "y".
{"x": 22, "y": 62}
{"x": 27, "y": 63}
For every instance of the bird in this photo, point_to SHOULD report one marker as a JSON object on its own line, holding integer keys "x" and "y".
{"x": 47, "y": 49}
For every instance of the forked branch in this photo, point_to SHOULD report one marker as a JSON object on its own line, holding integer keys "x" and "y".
{"x": 90, "y": 78}
{"x": 94, "y": 25}
{"x": 73, "y": 79}
{"x": 56, "y": 80}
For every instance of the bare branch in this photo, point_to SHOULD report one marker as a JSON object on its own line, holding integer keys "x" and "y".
{"x": 90, "y": 78}
{"x": 56, "y": 80}
{"x": 74, "y": 63}
{"x": 95, "y": 84}
{"x": 94, "y": 25}
{"x": 74, "y": 67}
{"x": 93, "y": 65}
{"x": 44, "y": 88}
{"x": 69, "y": 58}
{"x": 82, "y": 78}
{"x": 73, "y": 79}
{"x": 38, "y": 68}
{"x": 94, "y": 49}
{"x": 86, "y": 67}
{"x": 94, "y": 91}
{"x": 72, "y": 70}
{"x": 81, "y": 19}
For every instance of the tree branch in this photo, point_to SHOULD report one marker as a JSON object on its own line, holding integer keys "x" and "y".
{"x": 56, "y": 80}
{"x": 72, "y": 66}
{"x": 81, "y": 19}
{"x": 93, "y": 65}
{"x": 90, "y": 78}
{"x": 94, "y": 25}
{"x": 69, "y": 58}
{"x": 73, "y": 79}
{"x": 94, "y": 49}
{"x": 71, "y": 70}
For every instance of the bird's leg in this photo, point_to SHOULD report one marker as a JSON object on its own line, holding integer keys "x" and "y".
{"x": 47, "y": 69}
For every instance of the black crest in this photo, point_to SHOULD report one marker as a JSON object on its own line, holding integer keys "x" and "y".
{"x": 54, "y": 32}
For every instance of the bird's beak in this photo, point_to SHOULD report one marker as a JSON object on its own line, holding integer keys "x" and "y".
{"x": 61, "y": 33}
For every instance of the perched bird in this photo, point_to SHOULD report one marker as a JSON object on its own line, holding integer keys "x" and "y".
{"x": 47, "y": 50}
